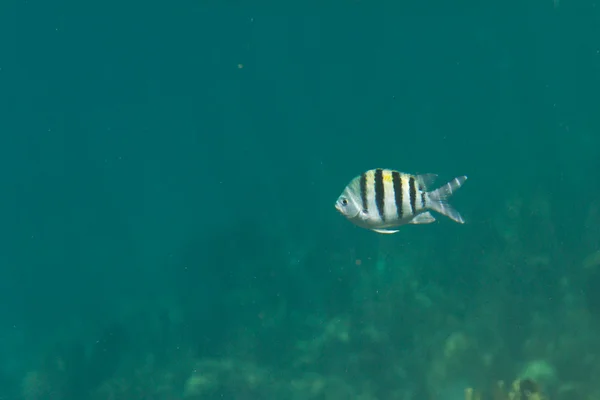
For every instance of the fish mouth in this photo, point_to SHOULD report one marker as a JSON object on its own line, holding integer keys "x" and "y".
{"x": 338, "y": 207}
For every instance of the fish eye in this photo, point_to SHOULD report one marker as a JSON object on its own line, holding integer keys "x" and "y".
{"x": 344, "y": 202}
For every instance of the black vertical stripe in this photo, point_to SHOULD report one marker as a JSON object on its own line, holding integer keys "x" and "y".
{"x": 363, "y": 191}
{"x": 413, "y": 194}
{"x": 423, "y": 194}
{"x": 397, "y": 192}
{"x": 379, "y": 192}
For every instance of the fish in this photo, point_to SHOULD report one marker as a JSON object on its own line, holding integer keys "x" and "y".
{"x": 383, "y": 200}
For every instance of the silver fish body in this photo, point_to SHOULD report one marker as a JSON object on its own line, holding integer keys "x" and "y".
{"x": 380, "y": 199}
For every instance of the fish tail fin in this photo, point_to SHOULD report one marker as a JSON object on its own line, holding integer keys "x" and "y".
{"x": 437, "y": 199}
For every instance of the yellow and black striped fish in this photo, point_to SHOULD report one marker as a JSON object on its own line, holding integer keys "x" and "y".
{"x": 380, "y": 199}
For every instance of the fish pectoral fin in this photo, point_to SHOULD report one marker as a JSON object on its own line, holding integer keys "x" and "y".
{"x": 424, "y": 218}
{"x": 387, "y": 231}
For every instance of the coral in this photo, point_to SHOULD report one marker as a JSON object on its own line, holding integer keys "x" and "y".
{"x": 520, "y": 389}
{"x": 147, "y": 381}
{"x": 539, "y": 371}
{"x": 232, "y": 378}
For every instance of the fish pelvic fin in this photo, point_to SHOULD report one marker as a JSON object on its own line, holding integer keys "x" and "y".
{"x": 385, "y": 231}
{"x": 437, "y": 199}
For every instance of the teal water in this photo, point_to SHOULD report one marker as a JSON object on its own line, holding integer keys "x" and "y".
{"x": 169, "y": 179}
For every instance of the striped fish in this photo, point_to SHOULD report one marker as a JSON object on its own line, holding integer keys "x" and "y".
{"x": 380, "y": 199}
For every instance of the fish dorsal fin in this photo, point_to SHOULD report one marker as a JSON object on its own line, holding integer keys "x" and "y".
{"x": 425, "y": 180}
{"x": 423, "y": 218}
{"x": 386, "y": 231}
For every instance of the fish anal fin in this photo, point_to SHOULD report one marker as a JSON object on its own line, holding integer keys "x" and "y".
{"x": 423, "y": 218}
{"x": 385, "y": 231}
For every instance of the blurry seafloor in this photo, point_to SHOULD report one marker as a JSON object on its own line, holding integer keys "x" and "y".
{"x": 320, "y": 320}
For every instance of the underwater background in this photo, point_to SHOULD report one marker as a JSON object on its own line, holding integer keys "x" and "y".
{"x": 169, "y": 173}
